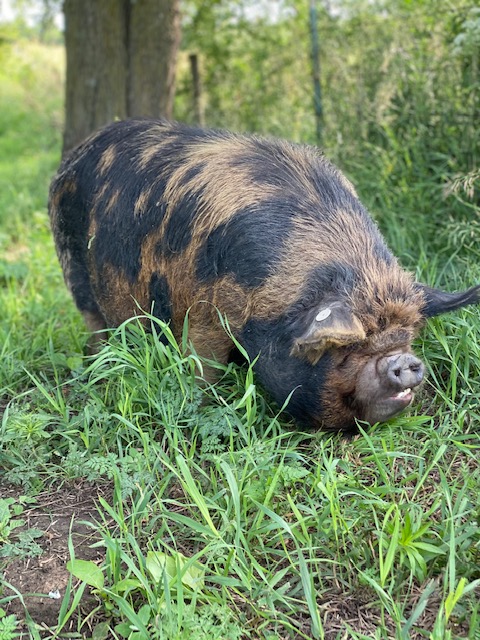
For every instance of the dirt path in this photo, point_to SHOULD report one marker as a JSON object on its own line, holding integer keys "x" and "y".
{"x": 55, "y": 514}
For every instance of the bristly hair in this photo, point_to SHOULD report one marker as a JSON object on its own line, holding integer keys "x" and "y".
{"x": 385, "y": 296}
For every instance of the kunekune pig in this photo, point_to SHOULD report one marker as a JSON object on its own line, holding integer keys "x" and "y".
{"x": 169, "y": 218}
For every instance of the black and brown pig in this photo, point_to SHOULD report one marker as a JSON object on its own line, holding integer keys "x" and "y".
{"x": 171, "y": 218}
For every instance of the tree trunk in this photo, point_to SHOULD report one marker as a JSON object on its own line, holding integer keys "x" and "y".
{"x": 121, "y": 57}
{"x": 95, "y": 34}
{"x": 154, "y": 38}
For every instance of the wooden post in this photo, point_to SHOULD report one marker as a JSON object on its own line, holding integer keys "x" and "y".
{"x": 317, "y": 90}
{"x": 198, "y": 110}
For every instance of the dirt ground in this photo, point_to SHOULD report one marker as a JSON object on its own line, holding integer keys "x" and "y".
{"x": 55, "y": 513}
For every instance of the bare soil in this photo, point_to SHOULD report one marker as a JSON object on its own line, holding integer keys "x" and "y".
{"x": 56, "y": 514}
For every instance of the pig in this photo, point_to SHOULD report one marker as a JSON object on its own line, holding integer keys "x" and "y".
{"x": 174, "y": 219}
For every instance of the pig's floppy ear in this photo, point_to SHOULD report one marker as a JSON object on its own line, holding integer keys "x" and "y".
{"x": 437, "y": 301}
{"x": 333, "y": 325}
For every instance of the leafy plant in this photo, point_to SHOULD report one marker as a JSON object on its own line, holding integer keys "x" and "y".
{"x": 8, "y": 627}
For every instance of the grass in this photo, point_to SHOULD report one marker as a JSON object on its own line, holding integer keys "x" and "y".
{"x": 220, "y": 520}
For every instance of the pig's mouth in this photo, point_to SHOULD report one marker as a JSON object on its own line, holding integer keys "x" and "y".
{"x": 386, "y": 385}
{"x": 388, "y": 406}
{"x": 405, "y": 397}
{"x": 395, "y": 403}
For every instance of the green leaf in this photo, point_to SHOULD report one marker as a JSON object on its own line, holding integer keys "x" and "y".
{"x": 74, "y": 363}
{"x": 123, "y": 629}
{"x": 101, "y": 631}
{"x": 387, "y": 562}
{"x": 454, "y": 597}
{"x": 430, "y": 548}
{"x": 87, "y": 571}
{"x": 126, "y": 585}
{"x": 190, "y": 486}
{"x": 159, "y": 563}
{"x": 144, "y": 614}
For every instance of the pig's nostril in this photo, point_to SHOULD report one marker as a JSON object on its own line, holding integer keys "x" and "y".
{"x": 415, "y": 366}
{"x": 397, "y": 372}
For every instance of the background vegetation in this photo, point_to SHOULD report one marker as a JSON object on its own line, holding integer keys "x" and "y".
{"x": 220, "y": 519}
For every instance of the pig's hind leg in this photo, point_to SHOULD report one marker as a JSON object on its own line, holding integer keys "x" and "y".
{"x": 77, "y": 279}
{"x": 97, "y": 326}
{"x": 80, "y": 285}
{"x": 71, "y": 230}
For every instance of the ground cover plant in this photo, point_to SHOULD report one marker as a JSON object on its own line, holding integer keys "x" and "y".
{"x": 135, "y": 505}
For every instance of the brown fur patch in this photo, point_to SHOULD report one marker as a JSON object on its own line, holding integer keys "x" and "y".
{"x": 107, "y": 159}
{"x": 300, "y": 161}
{"x": 116, "y": 297}
{"x": 113, "y": 201}
{"x": 98, "y": 198}
{"x": 142, "y": 201}
{"x": 386, "y": 297}
{"x": 311, "y": 244}
{"x": 63, "y": 188}
{"x": 149, "y": 152}
{"x": 153, "y": 140}
{"x": 303, "y": 253}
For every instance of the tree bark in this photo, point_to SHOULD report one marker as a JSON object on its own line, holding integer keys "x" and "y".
{"x": 154, "y": 39}
{"x": 96, "y": 66}
{"x": 121, "y": 58}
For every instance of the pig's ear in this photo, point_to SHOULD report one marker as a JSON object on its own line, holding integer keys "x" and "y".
{"x": 333, "y": 325}
{"x": 437, "y": 301}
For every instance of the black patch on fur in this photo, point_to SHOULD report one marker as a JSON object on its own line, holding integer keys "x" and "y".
{"x": 247, "y": 246}
{"x": 332, "y": 281}
{"x": 178, "y": 230}
{"x": 70, "y": 232}
{"x": 161, "y": 303}
{"x": 281, "y": 374}
{"x": 160, "y": 297}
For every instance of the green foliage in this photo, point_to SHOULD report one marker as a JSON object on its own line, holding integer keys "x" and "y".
{"x": 15, "y": 539}
{"x": 8, "y": 627}
{"x": 7, "y": 522}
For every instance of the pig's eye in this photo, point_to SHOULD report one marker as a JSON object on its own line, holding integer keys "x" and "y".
{"x": 344, "y": 360}
{"x": 382, "y": 323}
{"x": 347, "y": 352}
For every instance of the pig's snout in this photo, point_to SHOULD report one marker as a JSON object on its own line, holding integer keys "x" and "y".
{"x": 402, "y": 370}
